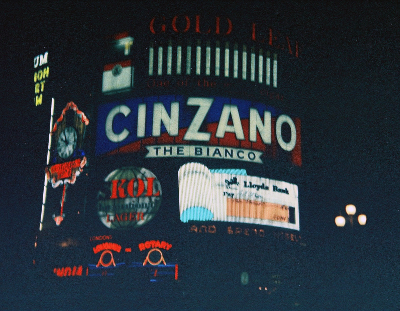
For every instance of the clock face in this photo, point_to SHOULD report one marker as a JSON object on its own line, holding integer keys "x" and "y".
{"x": 67, "y": 142}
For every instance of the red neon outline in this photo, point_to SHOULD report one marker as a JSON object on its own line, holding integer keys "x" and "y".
{"x": 101, "y": 262}
{"x": 70, "y": 105}
{"x": 147, "y": 260}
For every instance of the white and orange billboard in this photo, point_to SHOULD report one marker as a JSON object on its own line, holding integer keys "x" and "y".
{"x": 233, "y": 196}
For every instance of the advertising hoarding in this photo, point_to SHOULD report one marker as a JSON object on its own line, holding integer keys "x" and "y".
{"x": 179, "y": 149}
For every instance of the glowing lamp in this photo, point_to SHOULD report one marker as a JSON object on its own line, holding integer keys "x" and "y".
{"x": 362, "y": 219}
{"x": 340, "y": 221}
{"x": 350, "y": 209}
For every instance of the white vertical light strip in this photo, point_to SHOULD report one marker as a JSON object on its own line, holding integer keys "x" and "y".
{"x": 253, "y": 65}
{"x": 160, "y": 60}
{"x": 47, "y": 163}
{"x": 244, "y": 63}
{"x": 208, "y": 59}
{"x": 188, "y": 59}
{"x": 179, "y": 59}
{"x": 260, "y": 66}
{"x": 275, "y": 72}
{"x": 198, "y": 57}
{"x": 217, "y": 59}
{"x": 151, "y": 59}
{"x": 268, "y": 69}
{"x": 169, "y": 59}
{"x": 226, "y": 59}
{"x": 235, "y": 61}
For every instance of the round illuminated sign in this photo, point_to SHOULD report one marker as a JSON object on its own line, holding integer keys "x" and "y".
{"x": 130, "y": 198}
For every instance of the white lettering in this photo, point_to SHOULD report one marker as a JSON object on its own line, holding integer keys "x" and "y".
{"x": 223, "y": 127}
{"x": 40, "y": 60}
{"x": 170, "y": 123}
{"x": 264, "y": 129}
{"x": 111, "y": 135}
{"x": 192, "y": 132}
{"x": 141, "y": 121}
{"x": 260, "y": 125}
{"x": 292, "y": 143}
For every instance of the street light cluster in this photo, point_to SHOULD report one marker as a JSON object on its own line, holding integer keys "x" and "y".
{"x": 340, "y": 221}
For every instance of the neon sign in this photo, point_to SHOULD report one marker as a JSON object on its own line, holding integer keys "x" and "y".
{"x": 154, "y": 244}
{"x": 40, "y": 76}
{"x": 154, "y": 263}
{"x": 107, "y": 246}
{"x": 222, "y": 26}
{"x": 106, "y": 249}
{"x": 155, "y": 259}
{"x": 68, "y": 271}
{"x": 69, "y": 158}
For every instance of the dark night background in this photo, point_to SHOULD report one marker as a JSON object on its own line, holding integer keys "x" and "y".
{"x": 349, "y": 86}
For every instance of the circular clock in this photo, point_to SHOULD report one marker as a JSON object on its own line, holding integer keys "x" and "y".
{"x": 67, "y": 142}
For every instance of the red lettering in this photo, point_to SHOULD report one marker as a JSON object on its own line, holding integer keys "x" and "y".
{"x": 275, "y": 39}
{"x": 270, "y": 36}
{"x": 187, "y": 24}
{"x": 154, "y": 244}
{"x": 152, "y": 26}
{"x": 68, "y": 271}
{"x": 217, "y": 26}
{"x": 129, "y": 187}
{"x": 59, "y": 272}
{"x": 119, "y": 191}
{"x": 182, "y": 24}
{"x": 198, "y": 25}
{"x": 140, "y": 187}
{"x": 104, "y": 246}
{"x": 118, "y": 188}
{"x": 79, "y": 271}
{"x": 149, "y": 193}
{"x": 253, "y": 32}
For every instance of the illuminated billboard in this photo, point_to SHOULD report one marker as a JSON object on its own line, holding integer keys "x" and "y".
{"x": 209, "y": 195}
{"x": 190, "y": 137}
{"x": 131, "y": 198}
{"x": 200, "y": 127}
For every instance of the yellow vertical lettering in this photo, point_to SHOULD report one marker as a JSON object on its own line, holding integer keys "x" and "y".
{"x": 46, "y": 72}
{"x": 37, "y": 88}
{"x": 38, "y": 100}
{"x": 38, "y": 75}
{"x": 42, "y": 86}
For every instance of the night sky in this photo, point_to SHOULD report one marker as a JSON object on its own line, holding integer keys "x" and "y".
{"x": 349, "y": 89}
